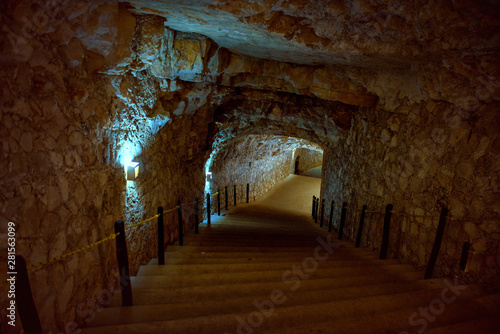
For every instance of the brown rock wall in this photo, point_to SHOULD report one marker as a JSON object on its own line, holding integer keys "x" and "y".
{"x": 419, "y": 162}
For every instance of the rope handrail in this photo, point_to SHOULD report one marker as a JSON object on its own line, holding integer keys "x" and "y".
{"x": 143, "y": 222}
{"x": 60, "y": 257}
{"x": 111, "y": 237}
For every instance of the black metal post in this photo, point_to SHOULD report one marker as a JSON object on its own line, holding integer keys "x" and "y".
{"x": 322, "y": 212}
{"x": 331, "y": 218}
{"x": 248, "y": 191}
{"x": 437, "y": 243}
{"x": 209, "y": 213}
{"x": 316, "y": 210}
{"x": 314, "y": 203}
{"x": 361, "y": 224}
{"x": 234, "y": 195}
{"x": 465, "y": 256}
{"x": 226, "y": 197}
{"x": 161, "y": 238}
{"x": 24, "y": 298}
{"x": 181, "y": 227}
{"x": 122, "y": 257}
{"x": 385, "y": 234}
{"x": 196, "y": 220}
{"x": 218, "y": 202}
{"x": 342, "y": 219}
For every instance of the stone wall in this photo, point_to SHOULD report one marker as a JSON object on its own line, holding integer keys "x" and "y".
{"x": 421, "y": 158}
{"x": 307, "y": 159}
{"x": 66, "y": 132}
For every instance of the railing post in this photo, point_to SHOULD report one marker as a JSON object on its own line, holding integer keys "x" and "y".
{"x": 161, "y": 238}
{"x": 437, "y": 243}
{"x": 322, "y": 212}
{"x": 209, "y": 213}
{"x": 314, "y": 203}
{"x": 465, "y": 256}
{"x": 122, "y": 257}
{"x": 24, "y": 298}
{"x": 181, "y": 227}
{"x": 218, "y": 201}
{"x": 316, "y": 211}
{"x": 234, "y": 195}
{"x": 248, "y": 191}
{"x": 226, "y": 197}
{"x": 342, "y": 220}
{"x": 331, "y": 218}
{"x": 385, "y": 233}
{"x": 196, "y": 219}
{"x": 361, "y": 224}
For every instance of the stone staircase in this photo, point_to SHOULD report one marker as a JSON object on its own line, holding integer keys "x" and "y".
{"x": 258, "y": 270}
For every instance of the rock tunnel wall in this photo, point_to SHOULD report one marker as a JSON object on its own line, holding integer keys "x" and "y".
{"x": 420, "y": 159}
{"x": 66, "y": 131}
{"x": 307, "y": 159}
{"x": 260, "y": 160}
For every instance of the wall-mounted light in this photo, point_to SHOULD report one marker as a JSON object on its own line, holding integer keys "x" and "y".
{"x": 209, "y": 176}
{"x": 132, "y": 171}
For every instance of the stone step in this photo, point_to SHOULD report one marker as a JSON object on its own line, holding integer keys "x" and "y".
{"x": 457, "y": 316}
{"x": 311, "y": 283}
{"x": 201, "y": 317}
{"x": 265, "y": 276}
{"x": 334, "y": 289}
{"x": 306, "y": 250}
{"x": 485, "y": 325}
{"x": 196, "y": 269}
{"x": 222, "y": 258}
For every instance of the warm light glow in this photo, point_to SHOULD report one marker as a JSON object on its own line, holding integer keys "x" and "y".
{"x": 132, "y": 170}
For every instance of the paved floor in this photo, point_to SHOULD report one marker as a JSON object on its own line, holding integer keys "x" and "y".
{"x": 313, "y": 172}
{"x": 293, "y": 195}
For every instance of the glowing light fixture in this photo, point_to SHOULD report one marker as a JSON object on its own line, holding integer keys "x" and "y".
{"x": 132, "y": 171}
{"x": 209, "y": 176}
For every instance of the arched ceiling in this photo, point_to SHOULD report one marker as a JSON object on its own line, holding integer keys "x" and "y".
{"x": 364, "y": 33}
{"x": 300, "y": 67}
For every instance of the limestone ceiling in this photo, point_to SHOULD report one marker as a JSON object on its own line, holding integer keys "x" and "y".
{"x": 364, "y": 33}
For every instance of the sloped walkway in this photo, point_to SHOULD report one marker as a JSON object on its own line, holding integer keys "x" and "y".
{"x": 313, "y": 172}
{"x": 266, "y": 267}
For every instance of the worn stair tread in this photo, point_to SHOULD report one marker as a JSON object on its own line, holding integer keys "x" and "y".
{"x": 310, "y": 284}
{"x": 484, "y": 325}
{"x": 194, "y": 269}
{"x": 153, "y": 318}
{"x": 335, "y": 288}
{"x": 306, "y": 250}
{"x": 160, "y": 282}
{"x": 247, "y": 259}
{"x": 266, "y": 276}
{"x": 208, "y": 258}
{"x": 408, "y": 320}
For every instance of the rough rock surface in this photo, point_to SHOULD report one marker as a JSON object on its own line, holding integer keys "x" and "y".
{"x": 420, "y": 161}
{"x": 403, "y": 100}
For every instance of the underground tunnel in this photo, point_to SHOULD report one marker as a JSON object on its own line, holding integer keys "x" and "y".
{"x": 112, "y": 109}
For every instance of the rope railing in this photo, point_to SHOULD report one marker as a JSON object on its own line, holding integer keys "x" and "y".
{"x": 388, "y": 212}
{"x": 29, "y": 317}
{"x": 80, "y": 250}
